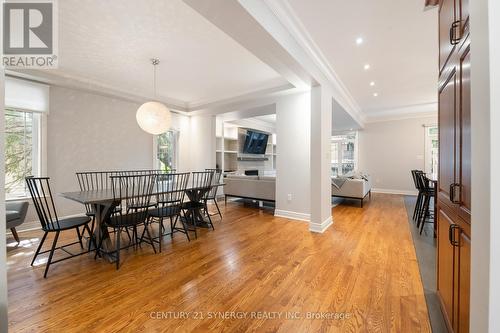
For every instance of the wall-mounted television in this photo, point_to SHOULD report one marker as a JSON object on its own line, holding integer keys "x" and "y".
{"x": 255, "y": 143}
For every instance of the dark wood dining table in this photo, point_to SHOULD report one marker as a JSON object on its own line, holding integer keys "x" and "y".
{"x": 104, "y": 201}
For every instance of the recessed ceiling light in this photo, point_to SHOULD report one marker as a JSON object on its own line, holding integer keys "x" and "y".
{"x": 359, "y": 41}
{"x": 375, "y": 94}
{"x": 366, "y": 67}
{"x": 372, "y": 83}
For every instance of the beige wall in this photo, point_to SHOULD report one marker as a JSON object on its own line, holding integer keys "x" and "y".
{"x": 388, "y": 150}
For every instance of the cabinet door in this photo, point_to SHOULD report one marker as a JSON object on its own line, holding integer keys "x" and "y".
{"x": 446, "y": 258}
{"x": 446, "y": 19}
{"x": 463, "y": 8}
{"x": 464, "y": 283}
{"x": 447, "y": 136}
{"x": 464, "y": 143}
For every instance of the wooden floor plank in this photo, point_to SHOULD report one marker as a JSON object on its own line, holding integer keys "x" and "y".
{"x": 363, "y": 267}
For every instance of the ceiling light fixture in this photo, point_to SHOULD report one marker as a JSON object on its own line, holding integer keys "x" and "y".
{"x": 372, "y": 83}
{"x": 359, "y": 41}
{"x": 154, "y": 117}
{"x": 375, "y": 94}
{"x": 366, "y": 67}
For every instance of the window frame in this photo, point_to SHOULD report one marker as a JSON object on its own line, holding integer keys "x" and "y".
{"x": 156, "y": 161}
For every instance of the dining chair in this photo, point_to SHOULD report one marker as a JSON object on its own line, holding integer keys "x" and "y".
{"x": 201, "y": 182}
{"x": 136, "y": 189}
{"x": 418, "y": 204}
{"x": 171, "y": 189}
{"x": 428, "y": 192}
{"x": 41, "y": 194}
{"x": 130, "y": 204}
{"x": 212, "y": 194}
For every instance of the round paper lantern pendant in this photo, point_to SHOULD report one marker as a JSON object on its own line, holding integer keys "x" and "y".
{"x": 154, "y": 117}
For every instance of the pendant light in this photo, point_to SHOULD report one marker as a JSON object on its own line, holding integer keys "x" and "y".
{"x": 154, "y": 117}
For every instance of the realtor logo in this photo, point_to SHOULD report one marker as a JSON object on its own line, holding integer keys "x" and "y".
{"x": 29, "y": 34}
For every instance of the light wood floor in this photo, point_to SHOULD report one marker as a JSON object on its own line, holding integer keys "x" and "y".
{"x": 364, "y": 266}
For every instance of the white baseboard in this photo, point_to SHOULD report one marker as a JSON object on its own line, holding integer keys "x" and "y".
{"x": 390, "y": 191}
{"x": 321, "y": 227}
{"x": 292, "y": 215}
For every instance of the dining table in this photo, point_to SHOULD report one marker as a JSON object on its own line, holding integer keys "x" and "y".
{"x": 104, "y": 202}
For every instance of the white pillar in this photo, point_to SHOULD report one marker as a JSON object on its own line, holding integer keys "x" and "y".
{"x": 485, "y": 79}
{"x": 3, "y": 246}
{"x": 321, "y": 132}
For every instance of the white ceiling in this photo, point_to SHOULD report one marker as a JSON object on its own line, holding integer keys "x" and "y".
{"x": 400, "y": 44}
{"x": 109, "y": 43}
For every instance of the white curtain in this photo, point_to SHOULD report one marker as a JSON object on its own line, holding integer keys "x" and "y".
{"x": 26, "y": 95}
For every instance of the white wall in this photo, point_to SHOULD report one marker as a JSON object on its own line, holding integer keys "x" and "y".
{"x": 293, "y": 118}
{"x": 3, "y": 246}
{"x": 202, "y": 143}
{"x": 388, "y": 150}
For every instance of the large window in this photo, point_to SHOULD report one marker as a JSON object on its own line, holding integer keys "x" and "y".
{"x": 166, "y": 150}
{"x": 344, "y": 153}
{"x": 22, "y": 150}
{"x": 431, "y": 150}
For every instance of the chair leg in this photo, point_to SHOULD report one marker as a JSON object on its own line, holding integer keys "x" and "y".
{"x": 150, "y": 238}
{"x": 225, "y": 200}
{"x": 194, "y": 223}
{"x": 424, "y": 214}
{"x": 79, "y": 237}
{"x": 14, "y": 233}
{"x": 218, "y": 210}
{"x": 210, "y": 220}
{"x": 39, "y": 247}
{"x": 54, "y": 243}
{"x": 118, "y": 236}
{"x": 171, "y": 227}
{"x": 160, "y": 233}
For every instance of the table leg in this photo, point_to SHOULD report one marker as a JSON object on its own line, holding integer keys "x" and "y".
{"x": 101, "y": 232}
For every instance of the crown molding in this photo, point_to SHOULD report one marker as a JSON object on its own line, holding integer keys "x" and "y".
{"x": 287, "y": 16}
{"x": 403, "y": 112}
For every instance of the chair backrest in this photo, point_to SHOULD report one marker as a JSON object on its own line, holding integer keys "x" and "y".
{"x": 94, "y": 181}
{"x": 140, "y": 172}
{"x": 136, "y": 190}
{"x": 423, "y": 182}
{"x": 171, "y": 188}
{"x": 414, "y": 176}
{"x": 202, "y": 179}
{"x": 215, "y": 180}
{"x": 41, "y": 194}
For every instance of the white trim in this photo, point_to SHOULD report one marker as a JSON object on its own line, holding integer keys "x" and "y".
{"x": 292, "y": 215}
{"x": 391, "y": 191}
{"x": 321, "y": 227}
{"x": 402, "y": 112}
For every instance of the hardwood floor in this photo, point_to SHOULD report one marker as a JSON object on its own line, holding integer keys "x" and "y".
{"x": 364, "y": 267}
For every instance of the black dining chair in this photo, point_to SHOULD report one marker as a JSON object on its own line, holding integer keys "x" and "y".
{"x": 212, "y": 194}
{"x": 41, "y": 194}
{"x": 418, "y": 204}
{"x": 428, "y": 193}
{"x": 201, "y": 182}
{"x": 136, "y": 189}
{"x": 171, "y": 189}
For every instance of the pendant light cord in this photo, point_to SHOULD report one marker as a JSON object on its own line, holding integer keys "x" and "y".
{"x": 155, "y": 63}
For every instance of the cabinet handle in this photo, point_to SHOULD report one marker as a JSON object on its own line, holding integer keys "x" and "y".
{"x": 453, "y": 28}
{"x": 452, "y": 193}
{"x": 451, "y": 235}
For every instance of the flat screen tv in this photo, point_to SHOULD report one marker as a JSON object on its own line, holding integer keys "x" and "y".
{"x": 255, "y": 143}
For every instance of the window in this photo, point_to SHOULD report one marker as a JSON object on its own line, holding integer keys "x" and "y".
{"x": 166, "y": 150}
{"x": 22, "y": 150}
{"x": 344, "y": 154}
{"x": 431, "y": 150}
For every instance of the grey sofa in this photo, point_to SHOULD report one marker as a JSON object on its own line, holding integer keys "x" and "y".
{"x": 354, "y": 189}
{"x": 262, "y": 188}
{"x": 15, "y": 215}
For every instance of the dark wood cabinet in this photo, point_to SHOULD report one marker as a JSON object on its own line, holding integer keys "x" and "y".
{"x": 453, "y": 209}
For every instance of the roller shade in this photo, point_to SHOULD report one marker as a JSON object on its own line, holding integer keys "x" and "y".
{"x": 26, "y": 95}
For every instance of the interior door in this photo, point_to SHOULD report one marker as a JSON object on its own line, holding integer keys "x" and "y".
{"x": 465, "y": 136}
{"x": 446, "y": 258}
{"x": 446, "y": 19}
{"x": 447, "y": 136}
{"x": 464, "y": 283}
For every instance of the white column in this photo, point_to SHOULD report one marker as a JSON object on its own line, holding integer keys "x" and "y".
{"x": 485, "y": 78}
{"x": 3, "y": 246}
{"x": 321, "y": 132}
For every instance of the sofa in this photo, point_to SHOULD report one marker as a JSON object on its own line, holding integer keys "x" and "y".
{"x": 353, "y": 187}
{"x": 262, "y": 188}
{"x": 15, "y": 216}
